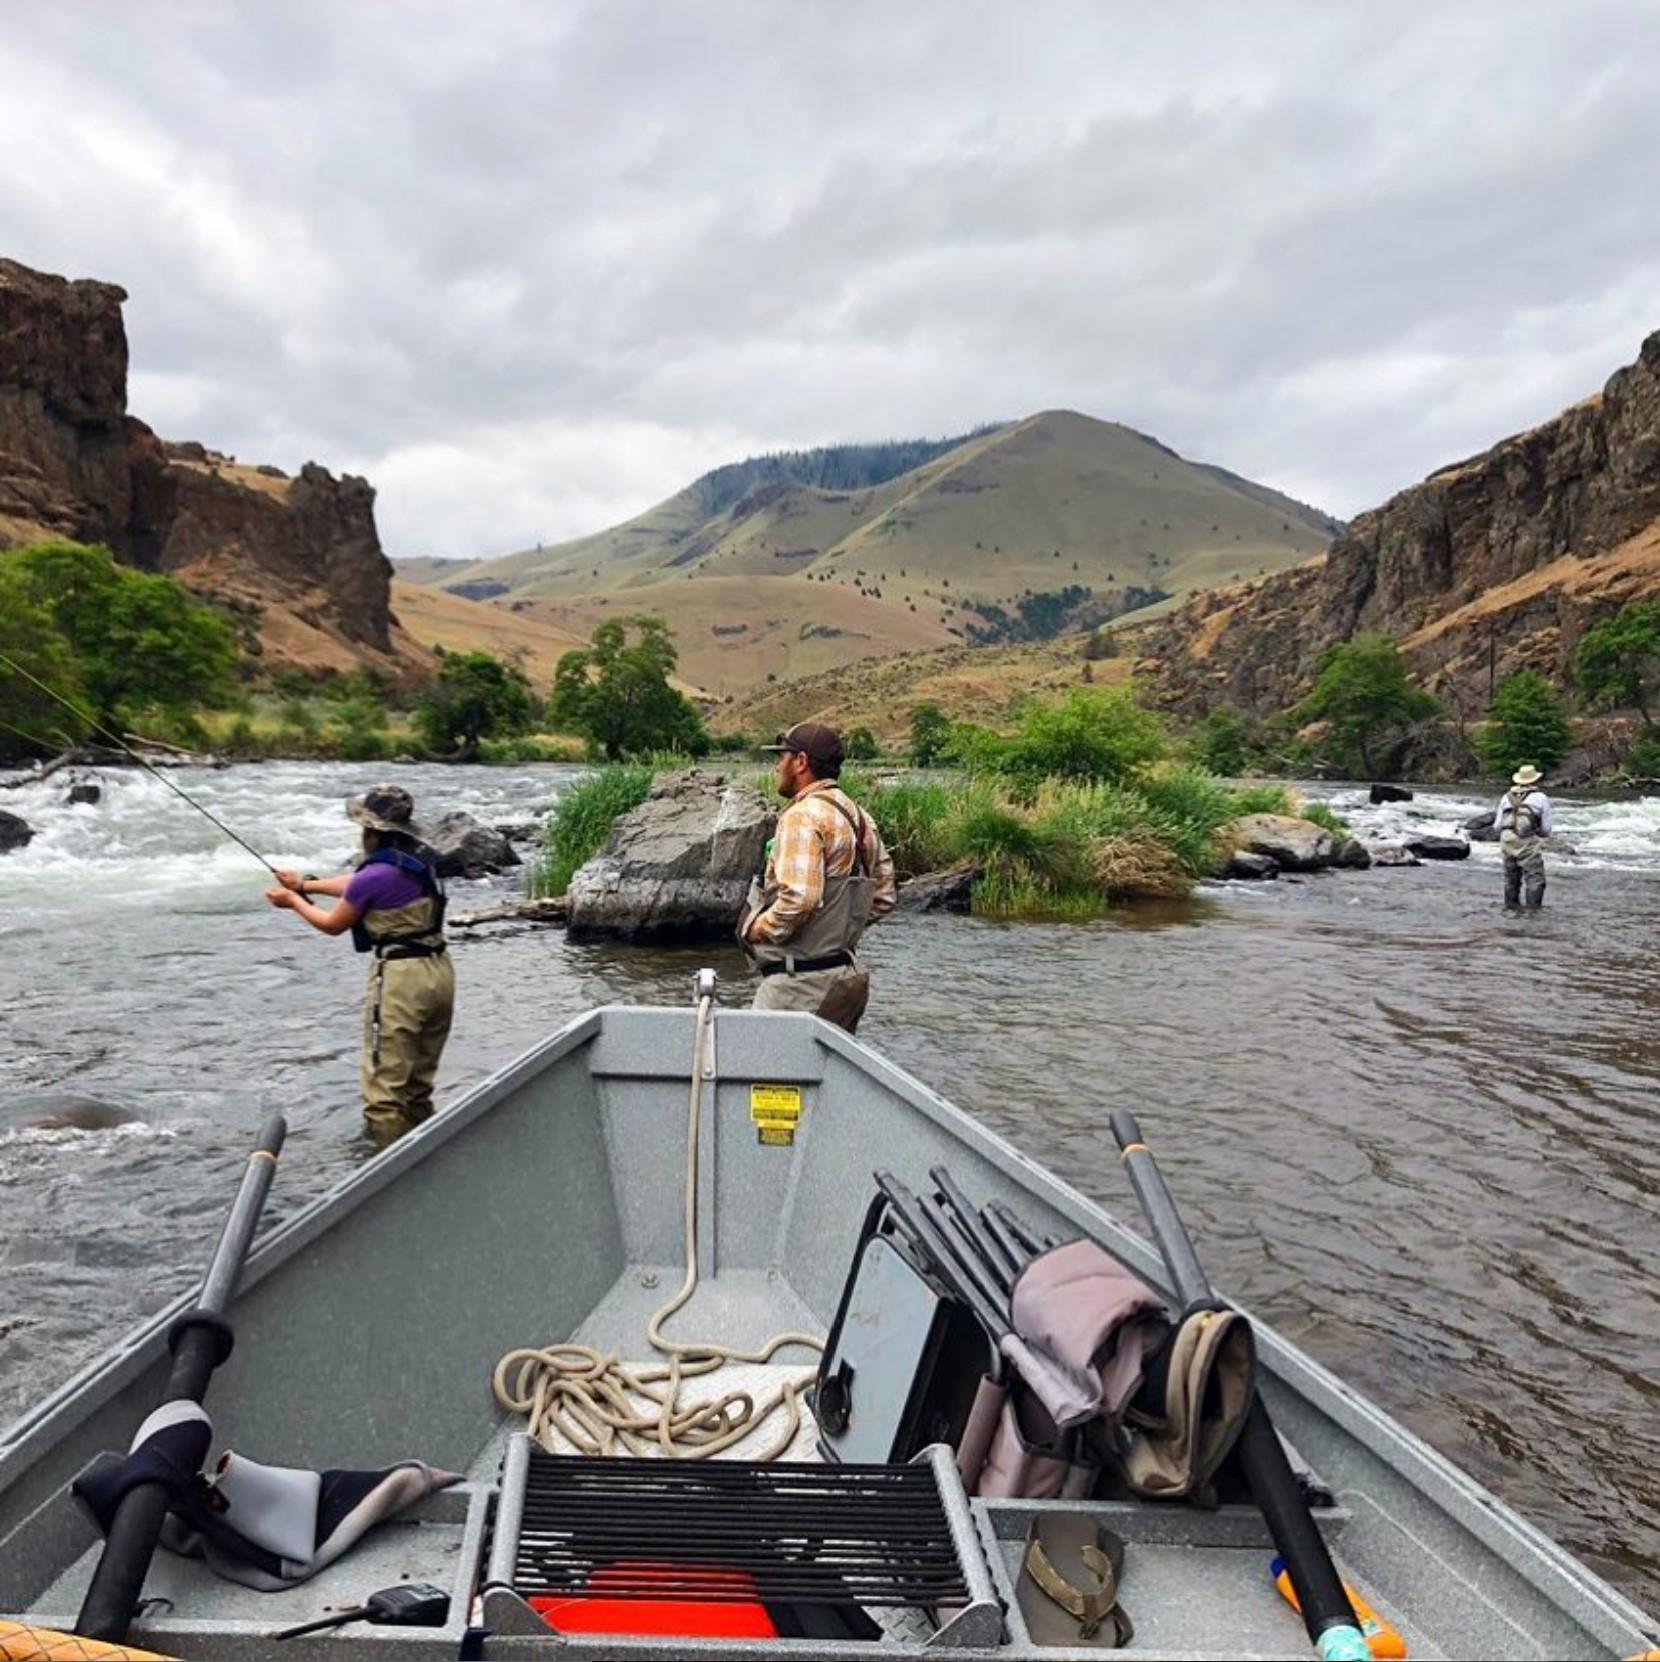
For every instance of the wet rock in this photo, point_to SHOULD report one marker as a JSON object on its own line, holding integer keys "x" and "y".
{"x": 554, "y": 909}
{"x": 950, "y": 890}
{"x": 83, "y": 790}
{"x": 14, "y": 832}
{"x": 677, "y": 868}
{"x": 1389, "y": 793}
{"x": 1479, "y": 828}
{"x": 1439, "y": 848}
{"x": 1251, "y": 868}
{"x": 1292, "y": 844}
{"x": 521, "y": 831}
{"x": 1392, "y": 854}
{"x": 1352, "y": 854}
{"x": 467, "y": 848}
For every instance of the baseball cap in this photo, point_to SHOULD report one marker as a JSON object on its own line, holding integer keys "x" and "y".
{"x": 813, "y": 740}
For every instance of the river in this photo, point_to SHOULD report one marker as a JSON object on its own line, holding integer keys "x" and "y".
{"x": 1416, "y": 1133}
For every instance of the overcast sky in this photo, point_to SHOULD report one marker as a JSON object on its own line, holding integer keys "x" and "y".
{"x": 531, "y": 267}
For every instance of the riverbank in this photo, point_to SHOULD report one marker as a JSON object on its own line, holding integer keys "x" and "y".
{"x": 1417, "y": 1135}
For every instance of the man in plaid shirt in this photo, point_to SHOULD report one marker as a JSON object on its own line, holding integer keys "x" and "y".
{"x": 828, "y": 874}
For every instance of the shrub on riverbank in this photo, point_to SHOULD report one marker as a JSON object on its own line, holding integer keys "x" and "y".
{"x": 581, "y": 819}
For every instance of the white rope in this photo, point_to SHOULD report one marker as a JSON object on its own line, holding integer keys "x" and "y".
{"x": 594, "y": 1403}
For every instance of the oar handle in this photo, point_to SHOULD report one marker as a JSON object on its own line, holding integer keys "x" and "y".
{"x": 200, "y": 1340}
{"x": 1327, "y": 1612}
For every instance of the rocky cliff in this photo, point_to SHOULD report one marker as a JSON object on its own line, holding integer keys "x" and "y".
{"x": 299, "y": 558}
{"x": 1491, "y": 565}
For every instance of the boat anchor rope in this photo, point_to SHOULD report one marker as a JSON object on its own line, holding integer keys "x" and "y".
{"x": 599, "y": 1405}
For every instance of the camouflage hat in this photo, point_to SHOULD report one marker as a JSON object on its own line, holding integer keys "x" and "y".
{"x": 385, "y": 808}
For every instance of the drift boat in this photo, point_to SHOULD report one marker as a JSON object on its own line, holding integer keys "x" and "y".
{"x": 554, "y": 1204}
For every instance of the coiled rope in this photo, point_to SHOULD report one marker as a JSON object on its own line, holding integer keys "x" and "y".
{"x": 599, "y": 1406}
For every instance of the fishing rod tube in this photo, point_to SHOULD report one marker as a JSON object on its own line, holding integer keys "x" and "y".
{"x": 1327, "y": 1612}
{"x": 200, "y": 1340}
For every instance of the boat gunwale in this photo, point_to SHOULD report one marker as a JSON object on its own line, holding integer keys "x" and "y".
{"x": 1571, "y": 1587}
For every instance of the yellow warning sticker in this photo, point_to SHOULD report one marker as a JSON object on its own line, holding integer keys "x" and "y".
{"x": 775, "y": 1112}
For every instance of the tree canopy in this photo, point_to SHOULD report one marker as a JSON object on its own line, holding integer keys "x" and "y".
{"x": 1619, "y": 659}
{"x": 1362, "y": 689}
{"x": 617, "y": 695}
{"x": 1526, "y": 722}
{"x": 930, "y": 734}
{"x": 475, "y": 696}
{"x": 120, "y": 643}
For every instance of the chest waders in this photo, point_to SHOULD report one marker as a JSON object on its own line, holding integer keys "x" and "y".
{"x": 1522, "y": 842}
{"x": 828, "y": 938}
{"x": 408, "y": 1010}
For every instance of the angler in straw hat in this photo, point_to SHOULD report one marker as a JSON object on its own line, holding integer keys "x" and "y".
{"x": 1523, "y": 820}
{"x": 393, "y": 904}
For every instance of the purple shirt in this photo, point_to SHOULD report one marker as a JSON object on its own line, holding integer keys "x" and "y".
{"x": 380, "y": 888}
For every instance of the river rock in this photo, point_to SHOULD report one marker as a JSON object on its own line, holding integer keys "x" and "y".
{"x": 676, "y": 868}
{"x": 1479, "y": 828}
{"x": 1251, "y": 868}
{"x": 83, "y": 790}
{"x": 1389, "y": 793}
{"x": 1439, "y": 848}
{"x": 1352, "y": 854}
{"x": 1292, "y": 844}
{"x": 1392, "y": 854}
{"x": 950, "y": 890}
{"x": 467, "y": 848}
{"x": 14, "y": 832}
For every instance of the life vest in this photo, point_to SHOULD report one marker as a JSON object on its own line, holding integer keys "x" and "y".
{"x": 413, "y": 930}
{"x": 843, "y": 910}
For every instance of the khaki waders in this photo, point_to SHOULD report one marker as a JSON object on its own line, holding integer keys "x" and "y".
{"x": 1523, "y": 850}
{"x": 406, "y": 1016}
{"x": 830, "y": 982}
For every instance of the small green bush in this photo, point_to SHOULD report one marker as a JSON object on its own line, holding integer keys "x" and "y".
{"x": 581, "y": 820}
{"x": 1325, "y": 816}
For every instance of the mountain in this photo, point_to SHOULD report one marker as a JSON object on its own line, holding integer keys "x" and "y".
{"x": 785, "y": 566}
{"x": 298, "y": 558}
{"x": 1496, "y": 563}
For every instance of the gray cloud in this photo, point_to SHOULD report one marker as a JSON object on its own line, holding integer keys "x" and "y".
{"x": 530, "y": 267}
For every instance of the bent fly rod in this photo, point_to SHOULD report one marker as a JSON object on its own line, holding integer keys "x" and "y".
{"x": 98, "y": 727}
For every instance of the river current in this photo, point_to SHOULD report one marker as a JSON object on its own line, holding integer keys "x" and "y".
{"x": 1416, "y": 1133}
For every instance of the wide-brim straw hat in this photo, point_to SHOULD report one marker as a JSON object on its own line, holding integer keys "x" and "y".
{"x": 1530, "y": 775}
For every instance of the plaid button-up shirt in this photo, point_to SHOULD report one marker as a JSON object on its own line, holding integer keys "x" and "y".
{"x": 815, "y": 840}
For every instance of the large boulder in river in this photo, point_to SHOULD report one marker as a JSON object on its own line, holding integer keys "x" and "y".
{"x": 950, "y": 890}
{"x": 1352, "y": 854}
{"x": 676, "y": 868}
{"x": 1389, "y": 793}
{"x": 1439, "y": 848}
{"x": 14, "y": 832}
{"x": 1479, "y": 828}
{"x": 467, "y": 848}
{"x": 1292, "y": 844}
{"x": 1251, "y": 868}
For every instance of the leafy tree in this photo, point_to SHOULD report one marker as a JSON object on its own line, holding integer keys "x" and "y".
{"x": 1363, "y": 691}
{"x": 142, "y": 641}
{"x": 32, "y": 720}
{"x": 1619, "y": 659}
{"x": 618, "y": 697}
{"x": 1098, "y": 734}
{"x": 1225, "y": 743}
{"x": 1526, "y": 722}
{"x": 930, "y": 733}
{"x": 474, "y": 696}
{"x": 861, "y": 745}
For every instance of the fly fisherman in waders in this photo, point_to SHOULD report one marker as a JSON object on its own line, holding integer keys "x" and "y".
{"x": 1522, "y": 821}
{"x": 394, "y": 906}
{"x": 827, "y": 876}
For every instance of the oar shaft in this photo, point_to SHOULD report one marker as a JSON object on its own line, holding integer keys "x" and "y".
{"x": 200, "y": 1346}
{"x": 1327, "y": 1612}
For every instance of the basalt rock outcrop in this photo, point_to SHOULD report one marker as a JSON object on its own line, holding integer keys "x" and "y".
{"x": 677, "y": 868}
{"x": 1491, "y": 565}
{"x": 298, "y": 559}
{"x": 15, "y": 832}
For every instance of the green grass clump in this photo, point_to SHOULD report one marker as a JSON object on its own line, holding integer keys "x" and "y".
{"x": 1325, "y": 816}
{"x": 1261, "y": 799}
{"x": 581, "y": 820}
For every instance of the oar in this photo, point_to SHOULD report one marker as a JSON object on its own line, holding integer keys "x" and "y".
{"x": 1325, "y": 1605}
{"x": 201, "y": 1339}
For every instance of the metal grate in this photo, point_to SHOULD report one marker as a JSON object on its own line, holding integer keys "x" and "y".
{"x": 877, "y": 1536}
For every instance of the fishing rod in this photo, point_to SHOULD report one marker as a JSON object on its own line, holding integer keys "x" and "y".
{"x": 98, "y": 727}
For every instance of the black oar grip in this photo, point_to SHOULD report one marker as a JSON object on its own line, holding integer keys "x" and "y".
{"x": 1124, "y": 1128}
{"x": 272, "y": 1135}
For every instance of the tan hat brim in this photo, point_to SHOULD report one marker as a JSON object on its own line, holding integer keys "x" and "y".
{"x": 376, "y": 822}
